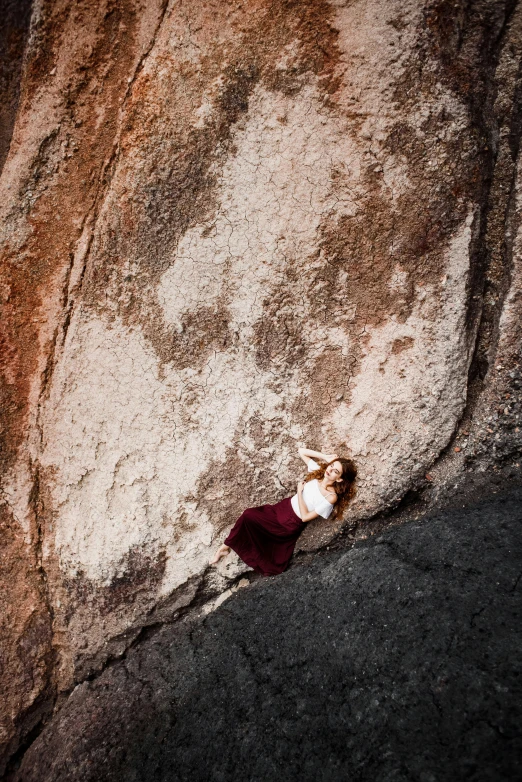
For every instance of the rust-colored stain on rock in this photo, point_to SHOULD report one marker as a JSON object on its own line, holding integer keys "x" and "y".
{"x": 230, "y": 229}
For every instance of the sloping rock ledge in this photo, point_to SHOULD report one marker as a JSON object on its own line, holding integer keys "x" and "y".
{"x": 396, "y": 660}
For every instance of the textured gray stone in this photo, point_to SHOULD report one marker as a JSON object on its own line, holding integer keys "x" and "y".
{"x": 396, "y": 660}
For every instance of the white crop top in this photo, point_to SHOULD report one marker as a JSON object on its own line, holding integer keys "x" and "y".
{"x": 312, "y": 496}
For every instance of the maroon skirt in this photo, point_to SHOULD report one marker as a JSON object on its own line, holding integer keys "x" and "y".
{"x": 265, "y": 537}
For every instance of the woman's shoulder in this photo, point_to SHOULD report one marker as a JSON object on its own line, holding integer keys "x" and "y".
{"x": 331, "y": 497}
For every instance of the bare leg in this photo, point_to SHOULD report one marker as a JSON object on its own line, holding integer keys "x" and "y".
{"x": 222, "y": 551}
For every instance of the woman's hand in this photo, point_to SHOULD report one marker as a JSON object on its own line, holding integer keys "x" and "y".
{"x": 306, "y": 515}
{"x": 306, "y": 454}
{"x": 330, "y": 457}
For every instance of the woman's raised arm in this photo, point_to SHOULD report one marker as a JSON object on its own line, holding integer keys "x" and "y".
{"x": 306, "y": 454}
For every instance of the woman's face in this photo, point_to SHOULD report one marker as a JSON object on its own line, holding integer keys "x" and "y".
{"x": 334, "y": 471}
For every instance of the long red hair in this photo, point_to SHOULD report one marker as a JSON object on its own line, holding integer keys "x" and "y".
{"x": 345, "y": 489}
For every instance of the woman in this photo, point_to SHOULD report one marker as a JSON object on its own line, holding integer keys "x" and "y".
{"x": 265, "y": 537}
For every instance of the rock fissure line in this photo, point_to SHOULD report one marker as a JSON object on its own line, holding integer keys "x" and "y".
{"x": 36, "y": 501}
{"x": 517, "y": 582}
{"x": 12, "y": 56}
{"x": 43, "y": 707}
{"x": 90, "y": 219}
{"x": 486, "y": 333}
{"x": 486, "y": 329}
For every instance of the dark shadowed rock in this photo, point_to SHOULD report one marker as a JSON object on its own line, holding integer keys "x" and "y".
{"x": 397, "y": 660}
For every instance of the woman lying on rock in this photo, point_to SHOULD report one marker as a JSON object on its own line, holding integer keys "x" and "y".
{"x": 265, "y": 537}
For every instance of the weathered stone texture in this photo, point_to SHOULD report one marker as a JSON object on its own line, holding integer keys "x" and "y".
{"x": 397, "y": 660}
{"x": 16, "y": 15}
{"x": 230, "y": 229}
{"x": 77, "y": 59}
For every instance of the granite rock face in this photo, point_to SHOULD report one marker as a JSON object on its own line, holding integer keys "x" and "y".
{"x": 229, "y": 229}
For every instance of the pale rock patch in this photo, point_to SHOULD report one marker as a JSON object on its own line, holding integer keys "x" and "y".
{"x": 405, "y": 406}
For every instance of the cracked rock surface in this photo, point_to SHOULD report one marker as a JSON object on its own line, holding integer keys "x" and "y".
{"x": 396, "y": 660}
{"x": 229, "y": 229}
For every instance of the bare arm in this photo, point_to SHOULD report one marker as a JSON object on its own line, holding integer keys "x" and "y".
{"x": 306, "y": 515}
{"x": 306, "y": 454}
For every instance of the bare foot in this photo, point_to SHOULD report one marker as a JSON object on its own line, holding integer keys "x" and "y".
{"x": 221, "y": 552}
